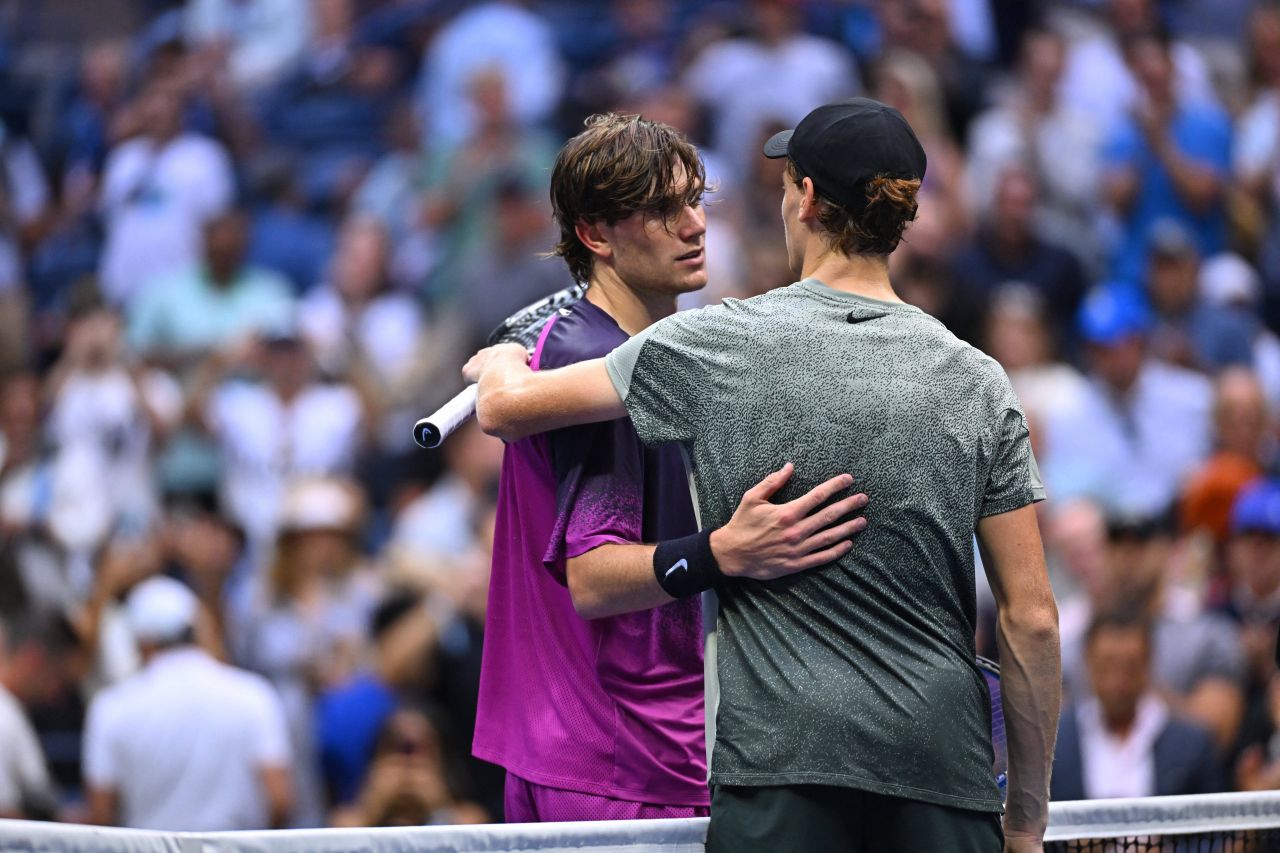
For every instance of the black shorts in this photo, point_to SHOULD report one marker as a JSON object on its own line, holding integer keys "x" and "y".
{"x": 820, "y": 818}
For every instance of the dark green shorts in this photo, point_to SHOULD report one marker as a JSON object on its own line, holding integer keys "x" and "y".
{"x": 812, "y": 818}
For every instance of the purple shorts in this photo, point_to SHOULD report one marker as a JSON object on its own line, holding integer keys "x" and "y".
{"x": 527, "y": 802}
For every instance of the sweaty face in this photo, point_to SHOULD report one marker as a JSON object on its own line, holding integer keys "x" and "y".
{"x": 660, "y": 255}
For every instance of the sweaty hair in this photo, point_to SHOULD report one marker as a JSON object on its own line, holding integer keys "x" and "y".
{"x": 620, "y": 165}
{"x": 875, "y": 230}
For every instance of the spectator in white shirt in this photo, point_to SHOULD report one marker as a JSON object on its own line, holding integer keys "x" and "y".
{"x": 355, "y": 321}
{"x": 1123, "y": 741}
{"x": 113, "y": 410}
{"x": 158, "y": 189}
{"x": 502, "y": 35}
{"x": 1141, "y": 427}
{"x": 33, "y": 660}
{"x": 188, "y": 743}
{"x": 275, "y": 421}
{"x": 778, "y": 73}
{"x": 258, "y": 41}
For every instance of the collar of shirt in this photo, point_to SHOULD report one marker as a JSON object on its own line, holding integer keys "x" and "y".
{"x": 1121, "y": 766}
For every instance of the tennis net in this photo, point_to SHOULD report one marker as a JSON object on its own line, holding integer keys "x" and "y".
{"x": 1212, "y": 823}
{"x": 1215, "y": 823}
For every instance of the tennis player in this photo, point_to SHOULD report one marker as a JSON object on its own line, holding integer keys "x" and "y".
{"x": 851, "y": 714}
{"x": 591, "y": 688}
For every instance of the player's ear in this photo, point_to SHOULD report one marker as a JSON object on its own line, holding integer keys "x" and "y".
{"x": 593, "y": 236}
{"x": 808, "y": 204}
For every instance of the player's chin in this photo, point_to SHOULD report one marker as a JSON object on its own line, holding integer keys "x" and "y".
{"x": 686, "y": 281}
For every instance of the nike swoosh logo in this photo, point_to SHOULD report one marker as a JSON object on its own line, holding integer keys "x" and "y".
{"x": 682, "y": 563}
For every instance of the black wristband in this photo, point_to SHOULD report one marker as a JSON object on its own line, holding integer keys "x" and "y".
{"x": 686, "y": 566}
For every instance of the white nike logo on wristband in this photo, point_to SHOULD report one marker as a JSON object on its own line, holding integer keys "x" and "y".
{"x": 682, "y": 563}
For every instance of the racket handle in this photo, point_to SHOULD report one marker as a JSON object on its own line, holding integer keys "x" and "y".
{"x": 432, "y": 430}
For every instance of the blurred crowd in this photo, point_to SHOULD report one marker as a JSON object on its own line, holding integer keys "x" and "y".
{"x": 244, "y": 244}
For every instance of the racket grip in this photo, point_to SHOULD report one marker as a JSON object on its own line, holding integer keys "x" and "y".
{"x": 432, "y": 430}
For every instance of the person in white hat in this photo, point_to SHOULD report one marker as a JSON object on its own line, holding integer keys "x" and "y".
{"x": 187, "y": 743}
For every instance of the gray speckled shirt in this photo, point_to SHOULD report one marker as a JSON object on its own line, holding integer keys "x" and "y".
{"x": 860, "y": 673}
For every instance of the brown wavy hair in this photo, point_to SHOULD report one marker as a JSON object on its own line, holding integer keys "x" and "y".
{"x": 620, "y": 165}
{"x": 875, "y": 230}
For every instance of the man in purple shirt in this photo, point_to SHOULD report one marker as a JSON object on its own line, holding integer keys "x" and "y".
{"x": 591, "y": 689}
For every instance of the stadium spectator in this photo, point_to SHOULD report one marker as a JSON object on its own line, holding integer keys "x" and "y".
{"x": 117, "y": 411}
{"x": 1168, "y": 159}
{"x": 255, "y": 42}
{"x": 1231, "y": 284}
{"x": 1243, "y": 430}
{"x": 408, "y": 784}
{"x": 1032, "y": 128}
{"x": 1187, "y": 329}
{"x": 287, "y": 234}
{"x": 1257, "y": 149}
{"x": 178, "y": 318}
{"x": 305, "y": 626}
{"x": 1197, "y": 658}
{"x": 1142, "y": 426}
{"x": 1124, "y": 741}
{"x": 438, "y": 527}
{"x": 503, "y": 36}
{"x": 188, "y": 743}
{"x": 514, "y": 272}
{"x": 776, "y": 72}
{"x": 34, "y": 669}
{"x": 1099, "y": 82}
{"x": 354, "y": 320}
{"x": 1010, "y": 247}
{"x": 926, "y": 29}
{"x": 404, "y": 635}
{"x": 159, "y": 187}
{"x": 1253, "y": 574}
{"x": 463, "y": 181}
{"x": 283, "y": 422}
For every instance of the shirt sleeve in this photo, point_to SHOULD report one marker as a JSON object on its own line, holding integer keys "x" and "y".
{"x": 271, "y": 734}
{"x": 1014, "y": 478}
{"x": 599, "y": 471}
{"x": 662, "y": 376}
{"x": 100, "y": 766}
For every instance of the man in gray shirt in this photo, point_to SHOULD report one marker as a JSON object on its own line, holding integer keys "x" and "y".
{"x": 851, "y": 713}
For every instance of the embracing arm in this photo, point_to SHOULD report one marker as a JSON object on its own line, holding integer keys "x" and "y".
{"x": 514, "y": 401}
{"x": 762, "y": 541}
{"x": 1030, "y": 666}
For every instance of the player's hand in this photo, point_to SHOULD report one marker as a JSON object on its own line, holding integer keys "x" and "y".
{"x": 494, "y": 355}
{"x": 765, "y": 540}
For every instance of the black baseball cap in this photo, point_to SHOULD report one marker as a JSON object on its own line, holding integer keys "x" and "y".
{"x": 843, "y": 145}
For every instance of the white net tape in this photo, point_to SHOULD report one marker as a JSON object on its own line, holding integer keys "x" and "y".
{"x": 1086, "y": 819}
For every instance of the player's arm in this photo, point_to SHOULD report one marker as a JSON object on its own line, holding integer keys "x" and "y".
{"x": 762, "y": 541}
{"x": 104, "y": 805}
{"x": 514, "y": 401}
{"x": 1030, "y": 666}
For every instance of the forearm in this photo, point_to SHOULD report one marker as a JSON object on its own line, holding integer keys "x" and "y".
{"x": 513, "y": 401}
{"x": 1031, "y": 687}
{"x": 614, "y": 579}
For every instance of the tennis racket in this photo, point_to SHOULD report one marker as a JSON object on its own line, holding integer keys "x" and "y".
{"x": 522, "y": 327}
{"x": 991, "y": 673}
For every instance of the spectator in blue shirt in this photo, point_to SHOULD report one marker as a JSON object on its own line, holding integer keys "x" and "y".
{"x": 1168, "y": 160}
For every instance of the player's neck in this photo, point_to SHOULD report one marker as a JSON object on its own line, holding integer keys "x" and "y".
{"x": 861, "y": 275}
{"x": 632, "y": 310}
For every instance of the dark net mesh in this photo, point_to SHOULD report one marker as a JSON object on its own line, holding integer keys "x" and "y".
{"x": 1220, "y": 841}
